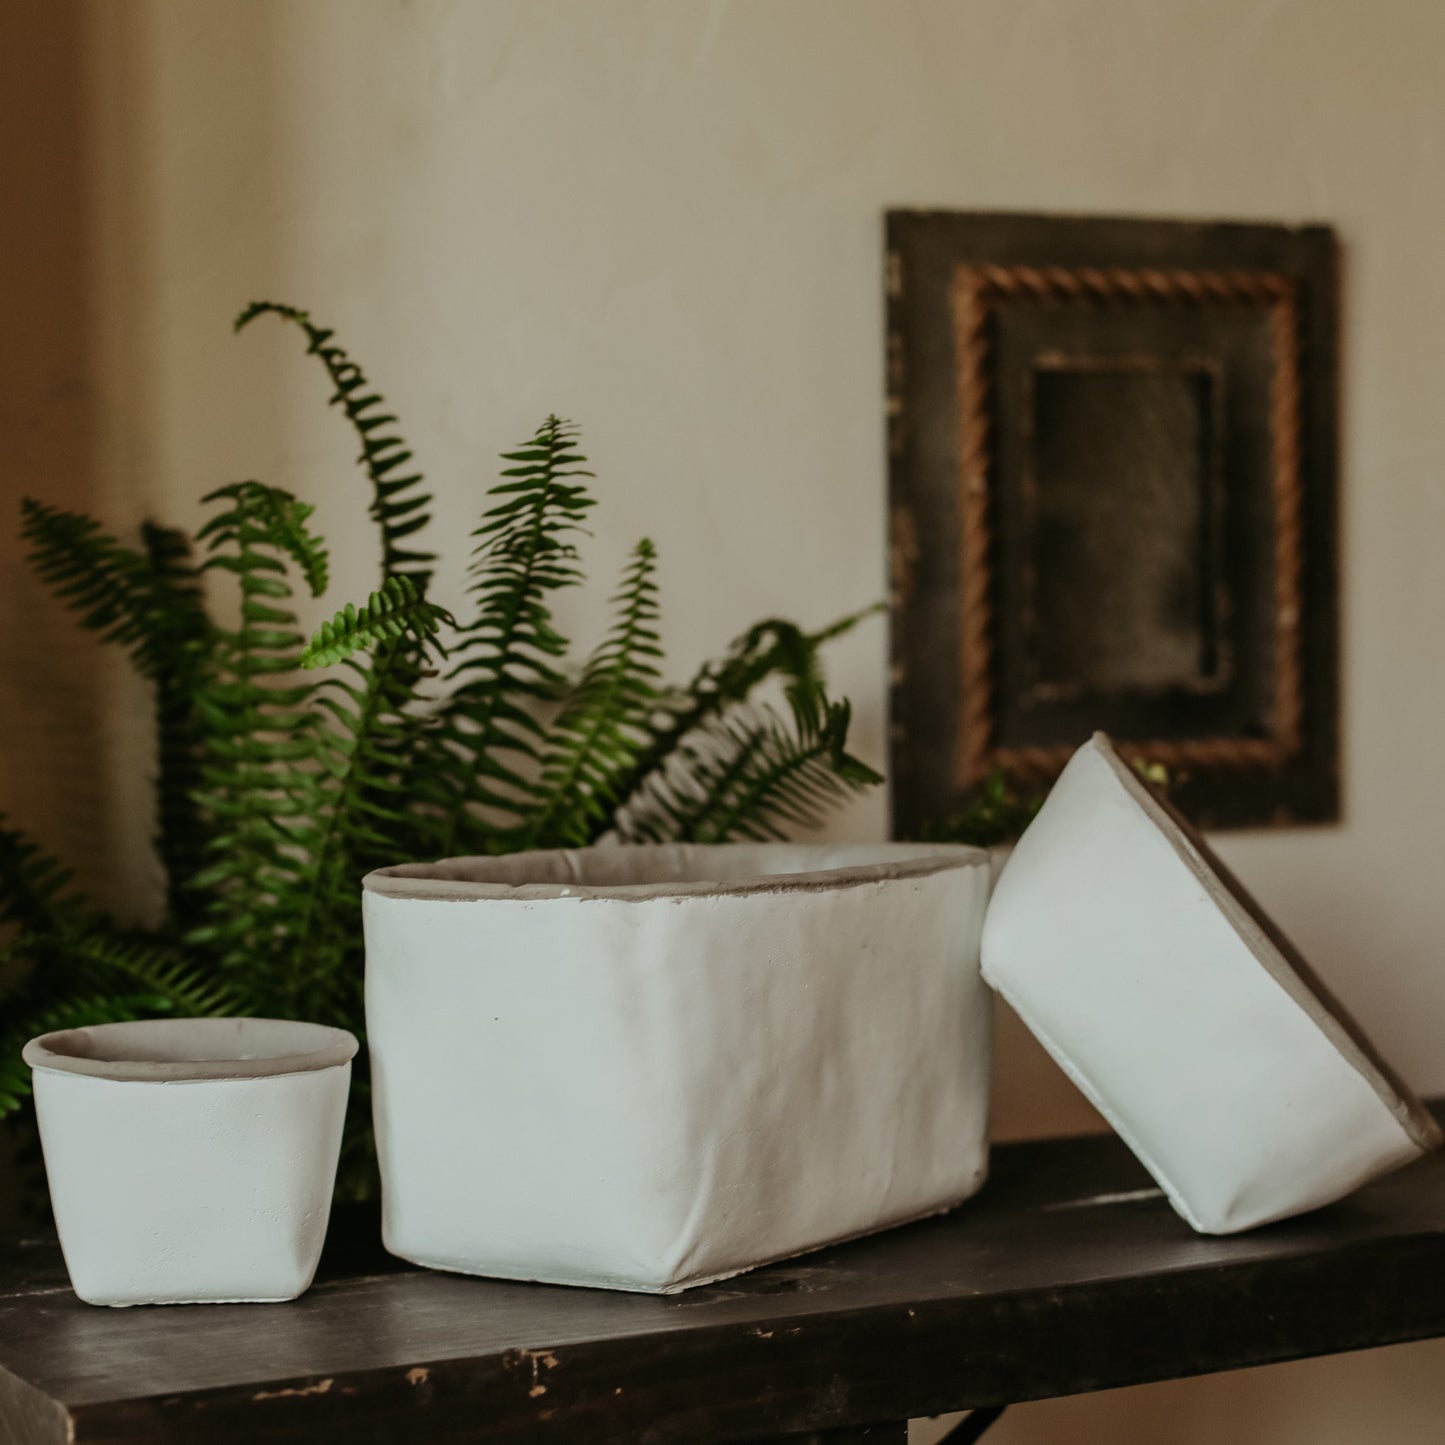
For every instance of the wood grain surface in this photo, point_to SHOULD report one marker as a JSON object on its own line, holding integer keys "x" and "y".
{"x": 1068, "y": 1273}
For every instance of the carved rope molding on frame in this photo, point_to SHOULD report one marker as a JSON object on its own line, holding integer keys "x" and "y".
{"x": 975, "y": 289}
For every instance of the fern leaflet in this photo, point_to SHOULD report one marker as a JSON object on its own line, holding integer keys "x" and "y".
{"x": 396, "y": 610}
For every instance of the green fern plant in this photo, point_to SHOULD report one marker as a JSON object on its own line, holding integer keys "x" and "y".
{"x": 288, "y": 767}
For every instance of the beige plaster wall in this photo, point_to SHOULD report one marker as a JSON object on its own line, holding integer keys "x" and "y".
{"x": 662, "y": 218}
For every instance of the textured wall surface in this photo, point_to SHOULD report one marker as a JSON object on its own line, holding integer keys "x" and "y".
{"x": 662, "y": 218}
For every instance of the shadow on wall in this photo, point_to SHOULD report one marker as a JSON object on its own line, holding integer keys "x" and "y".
{"x": 51, "y": 709}
{"x": 51, "y": 691}
{"x": 94, "y": 245}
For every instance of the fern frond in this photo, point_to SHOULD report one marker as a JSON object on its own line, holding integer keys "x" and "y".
{"x": 363, "y": 749}
{"x": 773, "y": 649}
{"x": 259, "y": 780}
{"x": 488, "y": 735}
{"x": 770, "y": 651}
{"x": 78, "y": 969}
{"x": 100, "y": 1007}
{"x": 395, "y": 610}
{"x": 283, "y": 519}
{"x": 151, "y": 607}
{"x": 181, "y": 834}
{"x": 257, "y": 516}
{"x": 92, "y": 957}
{"x": 362, "y": 817}
{"x": 750, "y": 774}
{"x": 33, "y": 886}
{"x": 398, "y": 504}
{"x": 597, "y": 735}
{"x": 150, "y": 602}
{"x": 366, "y": 756}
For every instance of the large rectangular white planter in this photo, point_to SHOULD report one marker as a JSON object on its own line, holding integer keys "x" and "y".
{"x": 647, "y": 1068}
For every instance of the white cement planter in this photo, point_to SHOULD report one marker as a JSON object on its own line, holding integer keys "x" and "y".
{"x": 1161, "y": 988}
{"x": 191, "y": 1160}
{"x": 647, "y": 1068}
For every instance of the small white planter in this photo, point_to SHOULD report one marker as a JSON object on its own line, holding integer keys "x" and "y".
{"x": 1161, "y": 988}
{"x": 647, "y": 1068}
{"x": 191, "y": 1160}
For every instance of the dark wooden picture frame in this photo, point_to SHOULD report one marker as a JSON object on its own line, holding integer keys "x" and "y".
{"x": 1112, "y": 450}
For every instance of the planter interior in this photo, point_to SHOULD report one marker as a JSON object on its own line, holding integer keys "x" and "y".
{"x": 667, "y": 870}
{"x": 650, "y": 1067}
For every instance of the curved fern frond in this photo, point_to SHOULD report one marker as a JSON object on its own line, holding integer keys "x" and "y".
{"x": 99, "y": 957}
{"x": 150, "y": 604}
{"x": 85, "y": 972}
{"x": 398, "y": 504}
{"x": 395, "y": 610}
{"x": 488, "y": 735}
{"x": 772, "y": 650}
{"x": 597, "y": 735}
{"x": 749, "y": 774}
{"x": 33, "y": 886}
{"x": 100, "y": 1007}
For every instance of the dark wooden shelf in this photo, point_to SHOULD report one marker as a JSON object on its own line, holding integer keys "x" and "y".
{"x": 1068, "y": 1273}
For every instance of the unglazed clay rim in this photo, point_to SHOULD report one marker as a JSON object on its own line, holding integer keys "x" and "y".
{"x": 332, "y": 1049}
{"x": 417, "y": 881}
{"x": 1276, "y": 954}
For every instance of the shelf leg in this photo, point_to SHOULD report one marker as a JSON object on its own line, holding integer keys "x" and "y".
{"x": 973, "y": 1428}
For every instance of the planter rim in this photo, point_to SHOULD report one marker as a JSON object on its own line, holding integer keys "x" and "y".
{"x": 563, "y": 872}
{"x": 186, "y": 1050}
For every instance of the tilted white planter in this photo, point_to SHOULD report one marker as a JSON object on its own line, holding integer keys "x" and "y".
{"x": 191, "y": 1160}
{"x": 647, "y": 1068}
{"x": 1162, "y": 989}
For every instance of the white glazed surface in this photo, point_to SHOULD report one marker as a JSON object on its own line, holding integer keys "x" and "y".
{"x": 194, "y": 1191}
{"x": 649, "y": 1092}
{"x": 1143, "y": 978}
